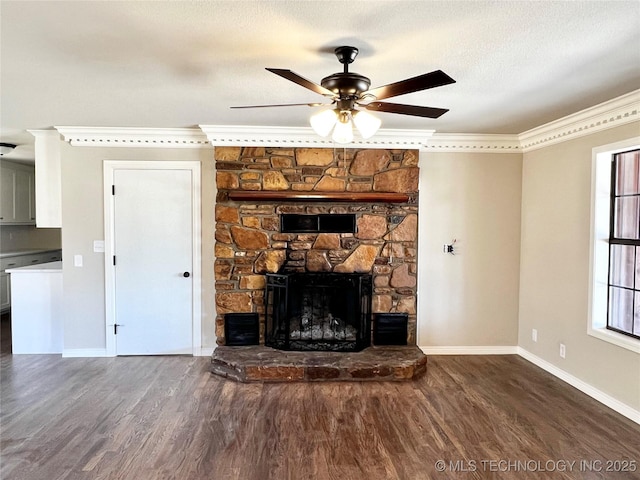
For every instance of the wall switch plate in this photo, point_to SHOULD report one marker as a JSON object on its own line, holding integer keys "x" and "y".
{"x": 98, "y": 246}
{"x": 563, "y": 350}
{"x": 77, "y": 260}
{"x": 534, "y": 335}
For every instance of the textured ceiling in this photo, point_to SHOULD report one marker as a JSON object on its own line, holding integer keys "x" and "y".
{"x": 518, "y": 64}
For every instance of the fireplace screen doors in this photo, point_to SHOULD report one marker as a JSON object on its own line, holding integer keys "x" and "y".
{"x": 318, "y": 311}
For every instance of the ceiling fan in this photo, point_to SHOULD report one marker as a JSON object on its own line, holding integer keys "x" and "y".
{"x": 350, "y": 93}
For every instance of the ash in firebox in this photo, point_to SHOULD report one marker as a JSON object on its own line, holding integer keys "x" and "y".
{"x": 326, "y": 328}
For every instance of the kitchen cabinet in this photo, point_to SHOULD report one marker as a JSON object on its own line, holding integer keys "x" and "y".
{"x": 36, "y": 315}
{"x": 7, "y": 193}
{"x": 48, "y": 178}
{"x": 5, "y": 291}
{"x": 17, "y": 194}
{"x": 23, "y": 258}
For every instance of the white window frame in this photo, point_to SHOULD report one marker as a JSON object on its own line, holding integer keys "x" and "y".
{"x": 599, "y": 259}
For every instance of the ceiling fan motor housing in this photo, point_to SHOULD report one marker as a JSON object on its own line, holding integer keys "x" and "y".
{"x": 346, "y": 54}
{"x": 346, "y": 85}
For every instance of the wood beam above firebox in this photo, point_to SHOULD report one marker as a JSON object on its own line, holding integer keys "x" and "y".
{"x": 288, "y": 196}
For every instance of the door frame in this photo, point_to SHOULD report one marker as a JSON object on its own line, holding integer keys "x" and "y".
{"x": 109, "y": 168}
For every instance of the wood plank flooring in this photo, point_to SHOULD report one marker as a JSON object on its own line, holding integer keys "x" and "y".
{"x": 147, "y": 418}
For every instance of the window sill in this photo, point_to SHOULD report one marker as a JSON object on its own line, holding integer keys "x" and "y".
{"x": 615, "y": 338}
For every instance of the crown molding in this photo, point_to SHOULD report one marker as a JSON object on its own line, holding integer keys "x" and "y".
{"x": 618, "y": 111}
{"x": 478, "y": 143}
{"x": 243, "y": 136}
{"x": 613, "y": 113}
{"x": 133, "y": 137}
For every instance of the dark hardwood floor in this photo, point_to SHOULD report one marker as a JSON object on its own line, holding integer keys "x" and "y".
{"x": 145, "y": 418}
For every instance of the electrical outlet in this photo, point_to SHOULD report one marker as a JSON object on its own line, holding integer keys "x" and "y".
{"x": 534, "y": 335}
{"x": 563, "y": 350}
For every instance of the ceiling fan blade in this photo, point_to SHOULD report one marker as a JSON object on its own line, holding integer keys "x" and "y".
{"x": 433, "y": 79}
{"x": 303, "y": 82}
{"x": 416, "y": 111}
{"x": 284, "y": 105}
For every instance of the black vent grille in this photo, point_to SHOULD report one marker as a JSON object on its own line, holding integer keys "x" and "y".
{"x": 390, "y": 328}
{"x": 321, "y": 223}
{"x": 241, "y": 329}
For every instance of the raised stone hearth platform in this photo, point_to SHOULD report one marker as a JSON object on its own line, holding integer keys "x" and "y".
{"x": 264, "y": 364}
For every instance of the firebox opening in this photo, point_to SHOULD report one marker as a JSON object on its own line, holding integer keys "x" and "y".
{"x": 318, "y": 311}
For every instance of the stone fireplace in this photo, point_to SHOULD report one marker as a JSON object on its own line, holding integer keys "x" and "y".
{"x": 375, "y": 190}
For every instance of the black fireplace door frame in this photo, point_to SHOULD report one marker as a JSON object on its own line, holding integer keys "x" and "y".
{"x": 297, "y": 307}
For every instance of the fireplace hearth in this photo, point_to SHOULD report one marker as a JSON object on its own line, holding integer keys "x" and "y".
{"x": 318, "y": 311}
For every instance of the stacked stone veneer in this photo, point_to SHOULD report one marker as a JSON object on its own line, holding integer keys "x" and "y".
{"x": 249, "y": 243}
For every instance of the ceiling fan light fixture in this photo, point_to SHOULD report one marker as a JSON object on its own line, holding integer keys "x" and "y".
{"x": 343, "y": 131}
{"x": 342, "y": 122}
{"x": 366, "y": 123}
{"x": 324, "y": 121}
{"x": 6, "y": 148}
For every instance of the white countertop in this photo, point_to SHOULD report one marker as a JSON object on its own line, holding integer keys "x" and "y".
{"x": 51, "y": 267}
{"x": 27, "y": 251}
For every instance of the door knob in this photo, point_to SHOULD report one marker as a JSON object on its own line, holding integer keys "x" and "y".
{"x": 186, "y": 274}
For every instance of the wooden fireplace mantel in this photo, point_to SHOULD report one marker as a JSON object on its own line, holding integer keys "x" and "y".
{"x": 288, "y": 196}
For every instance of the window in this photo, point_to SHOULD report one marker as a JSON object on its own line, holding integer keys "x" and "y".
{"x": 611, "y": 313}
{"x": 623, "y": 312}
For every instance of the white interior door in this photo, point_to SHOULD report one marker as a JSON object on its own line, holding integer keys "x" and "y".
{"x": 153, "y": 249}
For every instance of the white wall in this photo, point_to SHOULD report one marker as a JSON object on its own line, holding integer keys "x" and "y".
{"x": 470, "y": 298}
{"x": 83, "y": 222}
{"x": 554, "y": 274}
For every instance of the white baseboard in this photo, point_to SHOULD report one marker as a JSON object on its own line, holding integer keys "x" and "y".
{"x": 608, "y": 400}
{"x": 102, "y": 352}
{"x": 206, "y": 351}
{"x": 471, "y": 350}
{"x": 84, "y": 352}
